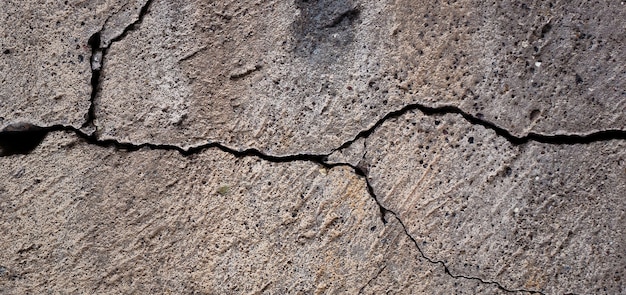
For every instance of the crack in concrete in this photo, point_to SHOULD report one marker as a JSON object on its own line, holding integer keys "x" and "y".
{"x": 557, "y": 139}
{"x": 98, "y": 55}
{"x": 21, "y": 133}
{"x": 251, "y": 152}
{"x": 456, "y": 276}
{"x": 22, "y": 138}
{"x": 31, "y": 136}
{"x": 372, "y": 279}
{"x": 384, "y": 210}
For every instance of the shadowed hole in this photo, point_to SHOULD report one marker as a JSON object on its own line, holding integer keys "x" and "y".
{"x": 20, "y": 138}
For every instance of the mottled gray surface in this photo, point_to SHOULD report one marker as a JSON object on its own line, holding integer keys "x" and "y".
{"x": 83, "y": 219}
{"x": 45, "y": 69}
{"x": 141, "y": 187}
{"x": 546, "y": 67}
{"x": 532, "y": 216}
{"x": 333, "y": 68}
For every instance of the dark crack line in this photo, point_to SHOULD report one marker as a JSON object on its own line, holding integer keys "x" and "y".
{"x": 93, "y": 139}
{"x": 558, "y": 139}
{"x": 457, "y": 276}
{"x": 26, "y": 129}
{"x": 134, "y": 25}
{"x": 384, "y": 210}
{"x": 372, "y": 279}
{"x": 98, "y": 56}
{"x": 34, "y": 135}
{"x": 94, "y": 43}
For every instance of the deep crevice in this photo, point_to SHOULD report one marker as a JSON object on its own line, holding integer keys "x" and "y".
{"x": 98, "y": 55}
{"x": 558, "y": 139}
{"x": 20, "y": 138}
{"x": 93, "y": 139}
{"x": 318, "y": 159}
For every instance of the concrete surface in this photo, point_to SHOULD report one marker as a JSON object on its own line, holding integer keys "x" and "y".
{"x": 45, "y": 57}
{"x": 531, "y": 216}
{"x": 439, "y": 147}
{"x": 336, "y": 67}
{"x": 79, "y": 218}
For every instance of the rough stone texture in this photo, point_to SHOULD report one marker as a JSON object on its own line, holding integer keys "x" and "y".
{"x": 333, "y": 68}
{"x": 211, "y": 166}
{"x": 547, "y": 67}
{"x": 186, "y": 78}
{"x": 84, "y": 219}
{"x": 536, "y": 217}
{"x": 45, "y": 69}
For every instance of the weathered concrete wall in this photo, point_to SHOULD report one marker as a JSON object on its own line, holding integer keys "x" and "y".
{"x": 433, "y": 147}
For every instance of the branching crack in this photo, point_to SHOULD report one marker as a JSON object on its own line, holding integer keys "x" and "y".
{"x": 318, "y": 159}
{"x": 98, "y": 55}
{"x": 457, "y": 276}
{"x": 22, "y": 138}
{"x": 30, "y": 136}
{"x": 384, "y": 210}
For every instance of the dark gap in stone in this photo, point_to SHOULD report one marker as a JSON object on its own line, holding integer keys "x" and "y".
{"x": 99, "y": 52}
{"x": 142, "y": 13}
{"x": 94, "y": 43}
{"x": 20, "y": 138}
{"x": 33, "y": 135}
{"x": 558, "y": 139}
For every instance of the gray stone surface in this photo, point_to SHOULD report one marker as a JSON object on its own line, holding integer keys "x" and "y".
{"x": 186, "y": 80}
{"x": 544, "y": 67}
{"x": 534, "y": 216}
{"x": 333, "y": 68}
{"x": 227, "y": 147}
{"x": 78, "y": 218}
{"x": 45, "y": 71}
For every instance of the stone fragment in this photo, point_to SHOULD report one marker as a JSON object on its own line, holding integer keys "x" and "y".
{"x": 79, "y": 218}
{"x": 246, "y": 73}
{"x": 538, "y": 217}
{"x": 45, "y": 69}
{"x": 543, "y": 67}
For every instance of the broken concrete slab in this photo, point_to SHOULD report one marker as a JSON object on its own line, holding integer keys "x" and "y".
{"x": 79, "y": 218}
{"x": 545, "y": 67}
{"x": 473, "y": 210}
{"x": 245, "y": 73}
{"x": 188, "y": 80}
{"x": 45, "y": 68}
{"x": 532, "y": 216}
